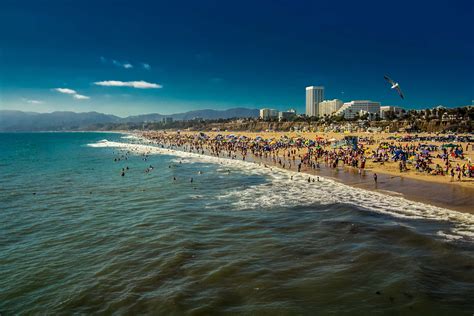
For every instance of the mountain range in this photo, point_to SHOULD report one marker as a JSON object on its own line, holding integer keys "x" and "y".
{"x": 11, "y": 120}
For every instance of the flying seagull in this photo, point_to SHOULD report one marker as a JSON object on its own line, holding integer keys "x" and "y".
{"x": 395, "y": 85}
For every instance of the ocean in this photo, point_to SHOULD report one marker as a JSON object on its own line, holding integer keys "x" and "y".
{"x": 181, "y": 233}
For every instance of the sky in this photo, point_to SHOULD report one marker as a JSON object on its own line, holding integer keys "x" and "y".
{"x": 136, "y": 57}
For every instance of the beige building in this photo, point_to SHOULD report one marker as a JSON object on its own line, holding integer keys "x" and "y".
{"x": 268, "y": 114}
{"x": 329, "y": 107}
{"x": 286, "y": 114}
{"x": 384, "y": 110}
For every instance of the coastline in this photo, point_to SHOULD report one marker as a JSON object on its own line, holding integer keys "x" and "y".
{"x": 444, "y": 195}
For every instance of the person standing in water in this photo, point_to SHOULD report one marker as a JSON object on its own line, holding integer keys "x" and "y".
{"x": 375, "y": 177}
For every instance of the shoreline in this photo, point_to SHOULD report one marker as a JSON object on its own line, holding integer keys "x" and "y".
{"x": 445, "y": 195}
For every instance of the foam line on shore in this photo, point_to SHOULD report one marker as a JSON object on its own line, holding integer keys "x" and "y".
{"x": 284, "y": 192}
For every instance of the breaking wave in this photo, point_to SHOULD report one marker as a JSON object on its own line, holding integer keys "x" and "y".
{"x": 289, "y": 189}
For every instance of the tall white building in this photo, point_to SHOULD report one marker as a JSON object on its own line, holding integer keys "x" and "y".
{"x": 350, "y": 109}
{"x": 314, "y": 95}
{"x": 267, "y": 114}
{"x": 328, "y": 107}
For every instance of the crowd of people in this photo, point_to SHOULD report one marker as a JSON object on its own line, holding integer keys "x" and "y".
{"x": 301, "y": 153}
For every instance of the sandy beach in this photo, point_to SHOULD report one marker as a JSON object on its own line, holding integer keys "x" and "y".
{"x": 389, "y": 167}
{"x": 439, "y": 190}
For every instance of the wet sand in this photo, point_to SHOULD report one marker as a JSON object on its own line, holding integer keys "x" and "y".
{"x": 446, "y": 195}
{"x": 459, "y": 198}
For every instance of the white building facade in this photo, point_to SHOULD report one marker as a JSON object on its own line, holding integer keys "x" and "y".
{"x": 396, "y": 110}
{"x": 352, "y": 109}
{"x": 314, "y": 95}
{"x": 329, "y": 107}
{"x": 286, "y": 114}
{"x": 268, "y": 114}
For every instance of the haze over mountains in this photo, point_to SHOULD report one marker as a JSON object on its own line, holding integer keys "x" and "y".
{"x": 56, "y": 121}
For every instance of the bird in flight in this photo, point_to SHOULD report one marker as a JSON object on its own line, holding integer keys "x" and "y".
{"x": 395, "y": 85}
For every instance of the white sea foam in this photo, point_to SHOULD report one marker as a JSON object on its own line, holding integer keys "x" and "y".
{"x": 131, "y": 136}
{"x": 286, "y": 192}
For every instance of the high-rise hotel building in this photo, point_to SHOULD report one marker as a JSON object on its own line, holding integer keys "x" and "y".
{"x": 314, "y": 95}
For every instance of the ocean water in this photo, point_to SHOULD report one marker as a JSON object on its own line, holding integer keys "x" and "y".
{"x": 77, "y": 237}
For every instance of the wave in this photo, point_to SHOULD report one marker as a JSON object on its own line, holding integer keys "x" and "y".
{"x": 289, "y": 189}
{"x": 134, "y": 137}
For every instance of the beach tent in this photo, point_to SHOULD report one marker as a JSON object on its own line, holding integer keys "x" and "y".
{"x": 449, "y": 145}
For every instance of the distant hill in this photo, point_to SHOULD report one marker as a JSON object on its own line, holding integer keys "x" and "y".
{"x": 214, "y": 114}
{"x": 57, "y": 121}
{"x": 31, "y": 121}
{"x": 206, "y": 114}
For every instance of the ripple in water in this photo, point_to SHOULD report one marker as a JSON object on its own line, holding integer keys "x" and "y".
{"x": 248, "y": 241}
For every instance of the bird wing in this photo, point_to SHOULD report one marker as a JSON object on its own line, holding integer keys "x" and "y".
{"x": 400, "y": 93}
{"x": 389, "y": 80}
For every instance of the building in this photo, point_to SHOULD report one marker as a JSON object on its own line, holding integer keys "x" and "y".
{"x": 166, "y": 120}
{"x": 268, "y": 114}
{"x": 352, "y": 109}
{"x": 328, "y": 107}
{"x": 286, "y": 114}
{"x": 314, "y": 95}
{"x": 387, "y": 109}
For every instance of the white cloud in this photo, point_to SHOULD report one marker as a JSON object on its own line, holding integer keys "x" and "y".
{"x": 81, "y": 97}
{"x": 65, "y": 90}
{"x": 34, "y": 101}
{"x": 132, "y": 84}
{"x": 74, "y": 94}
{"x": 125, "y": 65}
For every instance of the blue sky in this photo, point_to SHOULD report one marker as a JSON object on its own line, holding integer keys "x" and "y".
{"x": 131, "y": 57}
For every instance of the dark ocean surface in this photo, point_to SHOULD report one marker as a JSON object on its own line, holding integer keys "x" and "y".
{"x": 77, "y": 237}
